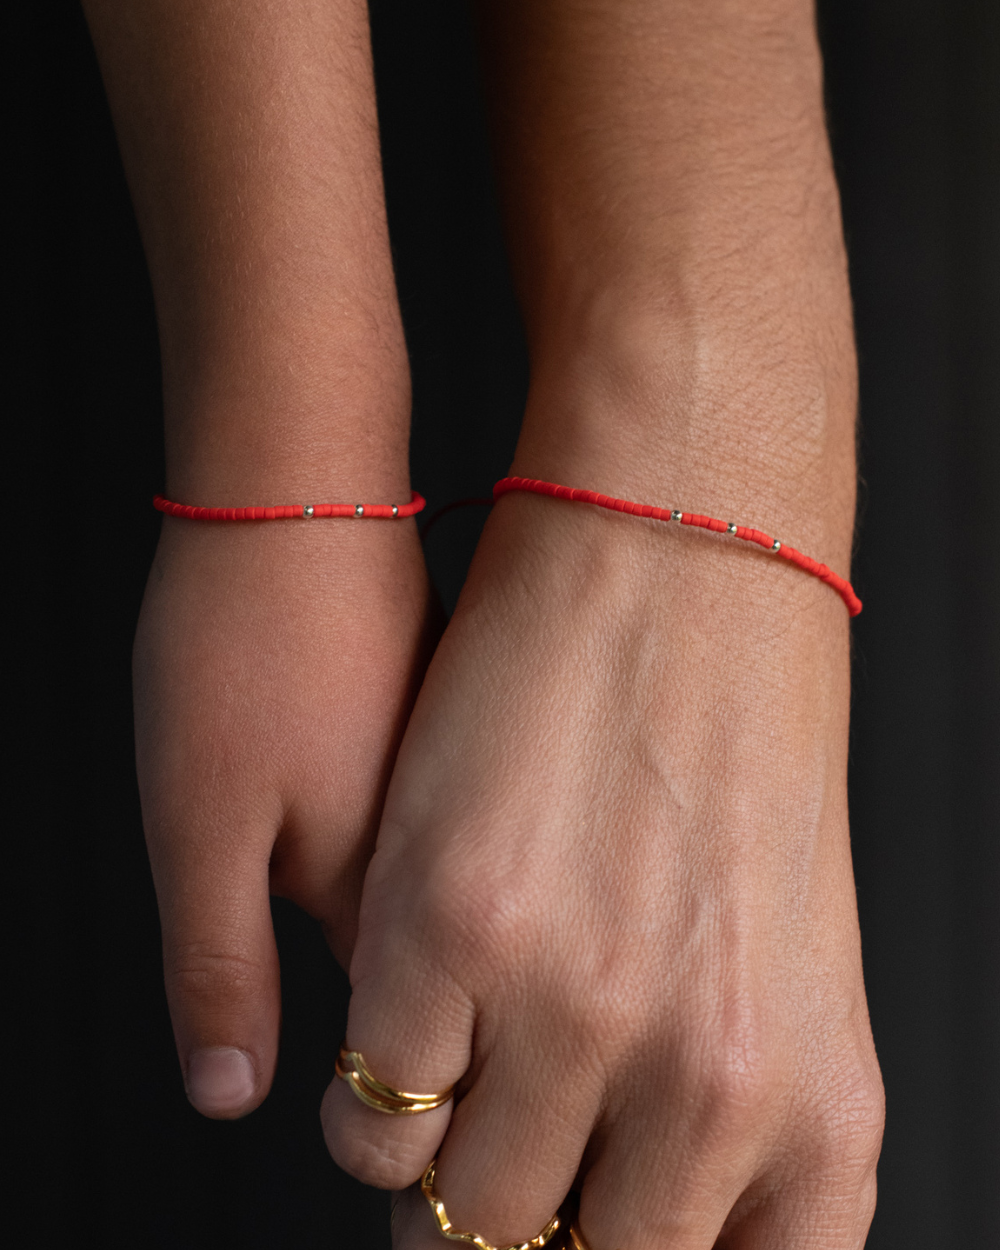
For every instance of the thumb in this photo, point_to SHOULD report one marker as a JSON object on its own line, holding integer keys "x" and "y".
{"x": 221, "y": 971}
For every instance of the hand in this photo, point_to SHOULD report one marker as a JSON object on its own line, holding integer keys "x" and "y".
{"x": 612, "y": 896}
{"x": 275, "y": 666}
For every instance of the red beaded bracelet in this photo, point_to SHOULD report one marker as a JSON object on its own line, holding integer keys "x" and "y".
{"x": 574, "y": 495}
{"x": 839, "y": 584}
{"x": 292, "y": 511}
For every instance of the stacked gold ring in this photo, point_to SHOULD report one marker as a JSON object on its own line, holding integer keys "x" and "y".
{"x": 576, "y": 1238}
{"x": 446, "y": 1227}
{"x": 351, "y": 1067}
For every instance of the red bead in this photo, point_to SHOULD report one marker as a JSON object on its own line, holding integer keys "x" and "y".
{"x": 283, "y": 512}
{"x": 806, "y": 563}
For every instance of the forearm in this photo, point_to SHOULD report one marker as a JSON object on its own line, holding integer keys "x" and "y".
{"x": 677, "y": 245}
{"x": 612, "y": 891}
{"x": 248, "y": 131}
{"x": 250, "y": 139}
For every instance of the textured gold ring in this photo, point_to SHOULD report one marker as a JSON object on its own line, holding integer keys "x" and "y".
{"x": 446, "y": 1227}
{"x": 351, "y": 1067}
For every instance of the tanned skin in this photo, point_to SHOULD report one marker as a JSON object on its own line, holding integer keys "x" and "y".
{"x": 611, "y": 893}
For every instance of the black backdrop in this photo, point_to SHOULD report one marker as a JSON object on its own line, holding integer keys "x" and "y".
{"x": 114, "y": 1155}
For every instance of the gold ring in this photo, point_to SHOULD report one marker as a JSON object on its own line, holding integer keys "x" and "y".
{"x": 473, "y": 1239}
{"x": 577, "y": 1240}
{"x": 351, "y": 1067}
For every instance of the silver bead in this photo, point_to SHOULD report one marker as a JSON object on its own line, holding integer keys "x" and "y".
{"x": 307, "y": 510}
{"x": 676, "y": 514}
{"x": 359, "y": 509}
{"x": 776, "y": 546}
{"x": 395, "y": 509}
{"x": 731, "y": 527}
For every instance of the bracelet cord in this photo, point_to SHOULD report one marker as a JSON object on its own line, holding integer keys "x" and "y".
{"x": 574, "y": 495}
{"x": 294, "y": 511}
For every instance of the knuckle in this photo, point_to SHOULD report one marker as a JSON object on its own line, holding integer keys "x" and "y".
{"x": 608, "y": 1010}
{"x": 610, "y": 1021}
{"x": 200, "y": 973}
{"x": 849, "y": 1122}
{"x": 867, "y": 1198}
{"x": 740, "y": 1074}
{"x": 486, "y": 915}
{"x": 739, "y": 1091}
{"x": 383, "y": 1163}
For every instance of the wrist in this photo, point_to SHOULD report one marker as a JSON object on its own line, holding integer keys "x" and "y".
{"x": 261, "y": 480}
{"x": 703, "y": 416}
{"x": 316, "y": 417}
{"x": 284, "y": 454}
{"x": 328, "y": 576}
{"x": 703, "y": 656}
{"x": 731, "y": 607}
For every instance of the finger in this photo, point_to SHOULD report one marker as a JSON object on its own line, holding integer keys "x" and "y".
{"x": 514, "y": 1144}
{"x": 811, "y": 1214}
{"x": 414, "y": 1028}
{"x": 662, "y": 1173}
{"x": 412, "y": 1222}
{"x": 822, "y": 1195}
{"x": 221, "y": 972}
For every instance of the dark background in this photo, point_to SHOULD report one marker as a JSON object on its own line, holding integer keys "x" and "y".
{"x": 113, "y": 1154}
